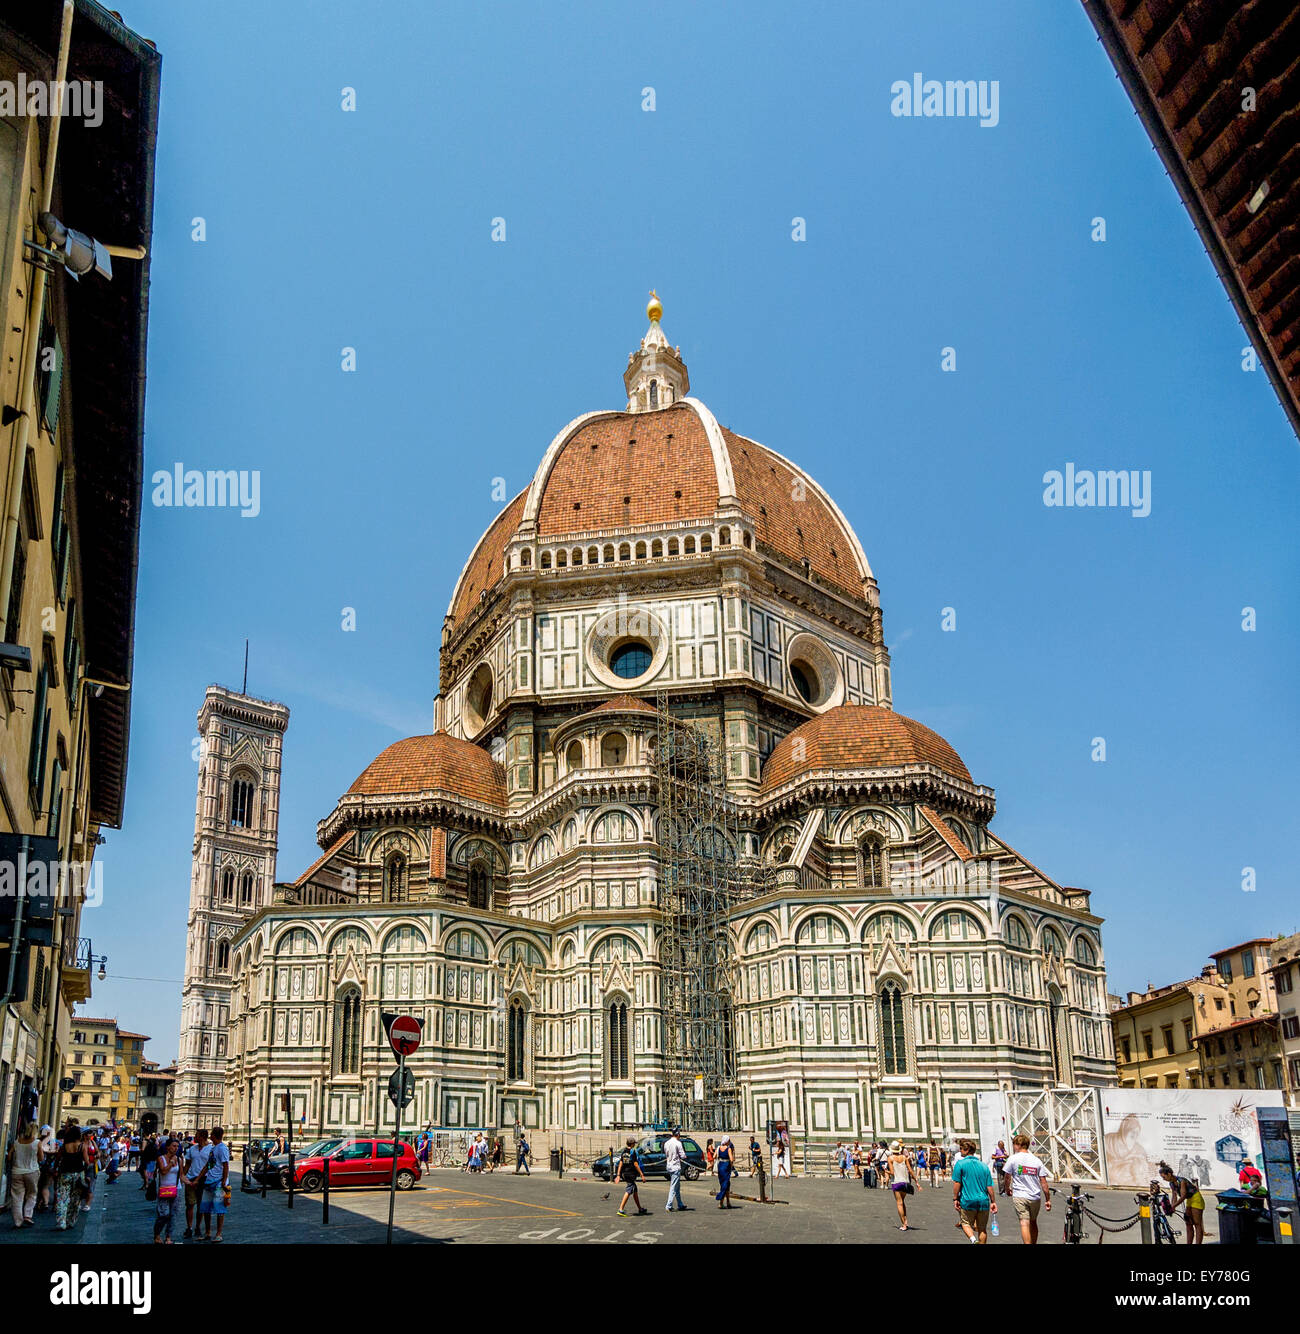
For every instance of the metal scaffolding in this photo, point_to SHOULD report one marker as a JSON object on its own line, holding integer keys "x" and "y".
{"x": 699, "y": 881}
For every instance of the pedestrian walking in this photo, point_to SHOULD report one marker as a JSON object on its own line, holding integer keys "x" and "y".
{"x": 49, "y": 1161}
{"x": 498, "y": 1154}
{"x": 755, "y": 1155}
{"x": 629, "y": 1172}
{"x": 674, "y": 1161}
{"x": 922, "y": 1167}
{"x": 521, "y": 1155}
{"x": 726, "y": 1166}
{"x": 902, "y": 1182}
{"x": 781, "y": 1158}
{"x": 167, "y": 1179}
{"x": 973, "y": 1193}
{"x": 24, "y": 1163}
{"x": 999, "y": 1162}
{"x": 1027, "y": 1177}
{"x": 710, "y": 1153}
{"x": 839, "y": 1157}
{"x": 70, "y": 1176}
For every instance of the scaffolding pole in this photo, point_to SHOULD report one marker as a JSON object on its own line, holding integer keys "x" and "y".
{"x": 699, "y": 882}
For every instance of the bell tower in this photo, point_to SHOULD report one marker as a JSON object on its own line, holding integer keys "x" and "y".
{"x": 656, "y": 374}
{"x": 236, "y": 829}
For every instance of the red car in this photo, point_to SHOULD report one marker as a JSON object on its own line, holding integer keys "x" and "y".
{"x": 358, "y": 1162}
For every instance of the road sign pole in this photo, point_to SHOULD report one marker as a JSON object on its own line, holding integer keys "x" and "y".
{"x": 397, "y": 1142}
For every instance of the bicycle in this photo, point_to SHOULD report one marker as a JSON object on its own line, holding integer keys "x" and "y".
{"x": 1074, "y": 1229}
{"x": 1162, "y": 1232}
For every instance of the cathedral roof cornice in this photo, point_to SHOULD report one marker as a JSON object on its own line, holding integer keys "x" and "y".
{"x": 438, "y": 806}
{"x": 906, "y": 784}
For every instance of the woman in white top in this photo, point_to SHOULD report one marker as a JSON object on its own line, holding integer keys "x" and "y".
{"x": 24, "y": 1175}
{"x": 903, "y": 1182}
{"x": 167, "y": 1173}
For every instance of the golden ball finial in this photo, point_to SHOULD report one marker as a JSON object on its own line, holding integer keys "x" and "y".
{"x": 655, "y": 309}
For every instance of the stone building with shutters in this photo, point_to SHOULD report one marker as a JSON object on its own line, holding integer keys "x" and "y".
{"x": 890, "y": 955}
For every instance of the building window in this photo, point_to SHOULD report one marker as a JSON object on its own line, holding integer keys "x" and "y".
{"x": 241, "y": 804}
{"x": 395, "y": 879}
{"x": 479, "y": 894}
{"x": 1291, "y": 1027}
{"x": 871, "y": 864}
{"x": 1284, "y": 980}
{"x": 631, "y": 660}
{"x": 616, "y": 1040}
{"x": 1248, "y": 966}
{"x": 347, "y": 1032}
{"x": 654, "y": 393}
{"x": 1127, "y": 1047}
{"x": 613, "y": 750}
{"x": 893, "y": 1035}
{"x": 516, "y": 1040}
{"x": 246, "y": 890}
{"x": 14, "y": 613}
{"x": 573, "y": 756}
{"x": 1084, "y": 953}
{"x": 1225, "y": 968}
{"x": 1168, "y": 1034}
{"x": 1187, "y": 1033}
{"x": 1147, "y": 1045}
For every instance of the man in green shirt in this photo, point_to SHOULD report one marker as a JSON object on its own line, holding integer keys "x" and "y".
{"x": 972, "y": 1193}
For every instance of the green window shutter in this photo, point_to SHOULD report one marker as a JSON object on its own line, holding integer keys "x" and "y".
{"x": 56, "y": 799}
{"x": 45, "y": 748}
{"x": 65, "y": 548}
{"x": 35, "y": 754}
{"x": 52, "y": 389}
{"x": 57, "y": 518}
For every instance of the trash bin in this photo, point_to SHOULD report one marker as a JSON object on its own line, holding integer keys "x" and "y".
{"x": 1237, "y": 1214}
{"x": 557, "y": 1160}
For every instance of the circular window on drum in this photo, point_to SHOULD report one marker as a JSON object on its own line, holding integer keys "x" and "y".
{"x": 478, "y": 698}
{"x": 815, "y": 675}
{"x": 627, "y": 645}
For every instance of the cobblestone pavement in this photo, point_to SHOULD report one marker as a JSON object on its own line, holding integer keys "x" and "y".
{"x": 452, "y": 1206}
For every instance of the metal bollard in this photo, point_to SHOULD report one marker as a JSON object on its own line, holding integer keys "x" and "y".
{"x": 1144, "y": 1210}
{"x": 762, "y": 1183}
{"x": 325, "y": 1195}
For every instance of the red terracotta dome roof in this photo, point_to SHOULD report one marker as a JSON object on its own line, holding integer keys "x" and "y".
{"x": 860, "y": 736}
{"x": 440, "y": 762}
{"x": 620, "y": 470}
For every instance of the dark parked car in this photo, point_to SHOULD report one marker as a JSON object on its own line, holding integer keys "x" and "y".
{"x": 653, "y": 1162}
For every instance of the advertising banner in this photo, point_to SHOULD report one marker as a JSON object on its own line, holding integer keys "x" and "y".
{"x": 1204, "y": 1134}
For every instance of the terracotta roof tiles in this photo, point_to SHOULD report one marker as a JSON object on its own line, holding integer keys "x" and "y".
{"x": 440, "y": 762}
{"x": 859, "y": 736}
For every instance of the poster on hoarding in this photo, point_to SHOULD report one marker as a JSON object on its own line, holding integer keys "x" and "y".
{"x": 1201, "y": 1133}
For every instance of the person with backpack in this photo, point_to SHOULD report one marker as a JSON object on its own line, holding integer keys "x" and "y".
{"x": 629, "y": 1172}
{"x": 69, "y": 1176}
{"x": 193, "y": 1172}
{"x": 521, "y": 1156}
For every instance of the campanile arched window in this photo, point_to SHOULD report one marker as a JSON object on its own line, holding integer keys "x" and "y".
{"x": 893, "y": 1030}
{"x": 246, "y": 890}
{"x": 227, "y": 886}
{"x": 616, "y": 1043}
{"x": 241, "y": 804}
{"x": 347, "y": 1031}
{"x": 516, "y": 1040}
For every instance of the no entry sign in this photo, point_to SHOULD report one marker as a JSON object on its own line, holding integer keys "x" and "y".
{"x": 404, "y": 1034}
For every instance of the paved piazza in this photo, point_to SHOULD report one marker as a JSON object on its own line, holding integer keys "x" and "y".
{"x": 451, "y": 1206}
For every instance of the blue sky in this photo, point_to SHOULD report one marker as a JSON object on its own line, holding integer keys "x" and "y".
{"x": 372, "y": 230}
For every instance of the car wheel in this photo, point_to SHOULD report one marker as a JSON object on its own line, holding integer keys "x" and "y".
{"x": 405, "y": 1180}
{"x": 691, "y": 1173}
{"x": 310, "y": 1181}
